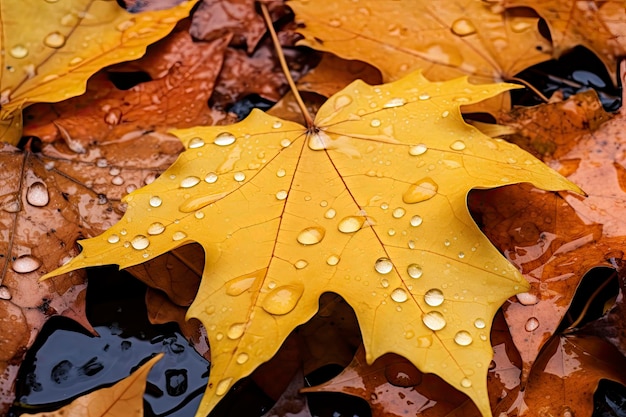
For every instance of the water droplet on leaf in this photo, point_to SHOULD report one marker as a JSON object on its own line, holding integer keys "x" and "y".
{"x": 458, "y": 145}
{"x": 25, "y": 264}
{"x": 399, "y": 295}
{"x": 375, "y": 123}
{"x": 480, "y": 323}
{"x": 239, "y": 176}
{"x": 463, "y": 338}
{"x": 113, "y": 238}
{"x": 395, "y": 102}
{"x": 434, "y": 320}
{"x": 527, "y": 298}
{"x": 463, "y": 27}
{"x": 222, "y": 386}
{"x": 195, "y": 143}
{"x": 242, "y": 358}
{"x": 416, "y": 220}
{"x": 422, "y": 190}
{"x": 414, "y": 270}
{"x": 383, "y": 265}
{"x": 211, "y": 177}
{"x": 54, "y": 40}
{"x": 37, "y": 194}
{"x": 350, "y": 224}
{"x": 311, "y": 235}
{"x": 156, "y": 228}
{"x": 18, "y": 51}
{"x": 282, "y": 300}
{"x": 236, "y": 330}
{"x": 332, "y": 260}
{"x": 189, "y": 182}
{"x": 140, "y": 242}
{"x": 466, "y": 383}
{"x": 434, "y": 297}
{"x": 398, "y": 213}
{"x": 224, "y": 139}
{"x": 155, "y": 201}
{"x": 178, "y": 236}
{"x": 281, "y": 195}
{"x": 531, "y": 324}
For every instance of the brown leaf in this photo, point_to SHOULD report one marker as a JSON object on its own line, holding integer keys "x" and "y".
{"x": 291, "y": 403}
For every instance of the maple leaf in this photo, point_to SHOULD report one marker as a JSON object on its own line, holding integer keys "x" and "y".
{"x": 370, "y": 204}
{"x": 597, "y": 25}
{"x": 445, "y": 39}
{"x": 125, "y": 398}
{"x": 65, "y": 44}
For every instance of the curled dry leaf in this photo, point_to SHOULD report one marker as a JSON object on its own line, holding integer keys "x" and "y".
{"x": 446, "y": 39}
{"x": 597, "y": 25}
{"x": 65, "y": 44}
{"x": 124, "y": 399}
{"x": 358, "y": 205}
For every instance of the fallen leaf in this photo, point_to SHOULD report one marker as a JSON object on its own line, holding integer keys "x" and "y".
{"x": 446, "y": 39}
{"x": 359, "y": 205}
{"x": 66, "y": 43}
{"x": 597, "y": 25}
{"x": 122, "y": 399}
{"x": 177, "y": 99}
{"x": 291, "y": 403}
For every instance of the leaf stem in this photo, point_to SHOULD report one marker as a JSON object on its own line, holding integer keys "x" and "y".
{"x": 283, "y": 64}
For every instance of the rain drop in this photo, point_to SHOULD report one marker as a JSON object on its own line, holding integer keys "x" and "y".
{"x": 113, "y": 238}
{"x": 527, "y": 298}
{"x": 417, "y": 150}
{"x": 198, "y": 215}
{"x": 383, "y": 265}
{"x": 463, "y": 27}
{"x": 285, "y": 143}
{"x": 117, "y": 180}
{"x": 466, "y": 383}
{"x": 463, "y": 338}
{"x": 189, "y": 182}
{"x": 283, "y": 299}
{"x": 342, "y": 101}
{"x": 277, "y": 125}
{"x": 19, "y": 51}
{"x": 211, "y": 177}
{"x": 480, "y": 323}
{"x": 239, "y": 176}
{"x": 239, "y": 285}
{"x": 156, "y": 228}
{"x": 11, "y": 206}
{"x": 330, "y": 213}
{"x": 54, "y": 40}
{"x": 301, "y": 264}
{"x": 398, "y": 213}
{"x": 222, "y": 386}
{"x": 332, "y": 260}
{"x": 531, "y": 324}
{"x": 242, "y": 358}
{"x": 195, "y": 143}
{"x": 399, "y": 295}
{"x": 414, "y": 270}
{"x": 421, "y": 190}
{"x": 224, "y": 139}
{"x": 25, "y": 264}
{"x": 416, "y": 220}
{"x": 155, "y": 201}
{"x": 434, "y": 320}
{"x": 424, "y": 96}
{"x": 311, "y": 235}
{"x": 281, "y": 195}
{"x": 461, "y": 255}
{"x": 140, "y": 242}
{"x": 281, "y": 173}
{"x": 236, "y": 330}
{"x": 350, "y": 224}
{"x": 375, "y": 123}
{"x": 434, "y": 297}
{"x": 395, "y": 102}
{"x": 458, "y": 145}
{"x": 178, "y": 236}
{"x": 37, "y": 194}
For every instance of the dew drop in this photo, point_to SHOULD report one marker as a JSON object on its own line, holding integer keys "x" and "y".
{"x": 189, "y": 182}
{"x": 281, "y": 173}
{"x": 5, "y": 294}
{"x": 283, "y": 299}
{"x": 301, "y": 264}
{"x": 399, "y": 295}
{"x": 277, "y": 125}
{"x": 342, "y": 101}
{"x": 195, "y": 143}
{"x": 383, "y": 265}
{"x": 384, "y": 282}
{"x": 155, "y": 201}
{"x": 285, "y": 143}
{"x": 25, "y": 264}
{"x": 480, "y": 323}
{"x": 416, "y": 220}
{"x": 330, "y": 213}
{"x": 156, "y": 228}
{"x": 117, "y": 180}
{"x": 281, "y": 195}
{"x": 395, "y": 102}
{"x": 375, "y": 123}
{"x": 18, "y": 51}
{"x": 178, "y": 236}
{"x": 199, "y": 215}
{"x": 458, "y": 145}
{"x": 417, "y": 150}
{"x": 398, "y": 213}
{"x": 211, "y": 177}
{"x": 236, "y": 330}
{"x": 466, "y": 383}
{"x": 224, "y": 139}
{"x": 311, "y": 235}
{"x": 434, "y": 320}
{"x": 140, "y": 242}
{"x": 527, "y": 299}
{"x": 332, "y": 260}
{"x": 463, "y": 338}
{"x": 531, "y": 324}
{"x": 461, "y": 255}
{"x": 239, "y": 176}
{"x": 351, "y": 224}
{"x": 11, "y": 206}
{"x": 434, "y": 297}
{"x": 421, "y": 190}
{"x": 445, "y": 113}
{"x": 242, "y": 358}
{"x": 222, "y": 386}
{"x": 463, "y": 27}
{"x": 239, "y": 285}
{"x": 424, "y": 96}
{"x": 54, "y": 40}
{"x": 414, "y": 271}
{"x": 37, "y": 194}
{"x": 113, "y": 238}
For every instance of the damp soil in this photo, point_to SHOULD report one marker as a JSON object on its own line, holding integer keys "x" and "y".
{"x": 67, "y": 362}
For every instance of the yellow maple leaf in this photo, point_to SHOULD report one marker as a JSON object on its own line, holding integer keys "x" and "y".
{"x": 50, "y": 49}
{"x": 124, "y": 399}
{"x": 370, "y": 203}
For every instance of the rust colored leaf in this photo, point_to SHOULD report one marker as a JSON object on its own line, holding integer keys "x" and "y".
{"x": 124, "y": 399}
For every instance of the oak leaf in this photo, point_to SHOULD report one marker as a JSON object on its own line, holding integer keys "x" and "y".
{"x": 124, "y": 399}
{"x": 446, "y": 39}
{"x": 370, "y": 203}
{"x": 65, "y": 44}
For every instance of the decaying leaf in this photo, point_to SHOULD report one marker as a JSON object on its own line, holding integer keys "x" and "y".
{"x": 65, "y": 44}
{"x": 124, "y": 399}
{"x": 446, "y": 39}
{"x": 370, "y": 203}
